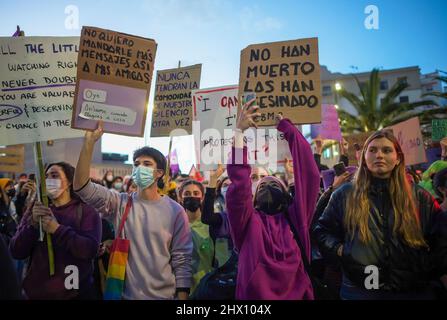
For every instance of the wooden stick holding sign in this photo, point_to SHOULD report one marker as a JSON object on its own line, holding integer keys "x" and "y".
{"x": 41, "y": 187}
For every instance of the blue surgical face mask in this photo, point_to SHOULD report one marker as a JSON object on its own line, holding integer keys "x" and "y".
{"x": 143, "y": 176}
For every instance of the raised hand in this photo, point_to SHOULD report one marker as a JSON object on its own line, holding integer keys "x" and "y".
{"x": 215, "y": 174}
{"x": 246, "y": 115}
{"x": 95, "y": 135}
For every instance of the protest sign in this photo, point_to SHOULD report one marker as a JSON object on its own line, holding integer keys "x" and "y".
{"x": 329, "y": 128}
{"x": 37, "y": 81}
{"x": 409, "y": 135}
{"x": 285, "y": 77}
{"x": 12, "y": 159}
{"x": 439, "y": 129}
{"x": 358, "y": 138}
{"x": 215, "y": 111}
{"x": 113, "y": 81}
{"x": 172, "y": 103}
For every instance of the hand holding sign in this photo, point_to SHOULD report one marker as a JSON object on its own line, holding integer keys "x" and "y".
{"x": 246, "y": 115}
{"x": 92, "y": 136}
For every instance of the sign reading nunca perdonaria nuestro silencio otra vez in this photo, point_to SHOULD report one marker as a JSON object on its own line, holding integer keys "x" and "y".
{"x": 113, "y": 81}
{"x": 285, "y": 77}
{"x": 172, "y": 102}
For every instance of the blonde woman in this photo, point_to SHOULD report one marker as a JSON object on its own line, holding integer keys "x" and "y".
{"x": 389, "y": 235}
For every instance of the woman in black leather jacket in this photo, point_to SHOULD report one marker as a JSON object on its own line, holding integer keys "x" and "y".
{"x": 389, "y": 236}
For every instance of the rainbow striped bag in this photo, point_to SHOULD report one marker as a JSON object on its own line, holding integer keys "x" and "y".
{"x": 119, "y": 252}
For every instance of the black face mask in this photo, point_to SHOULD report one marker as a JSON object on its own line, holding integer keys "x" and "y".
{"x": 11, "y": 193}
{"x": 271, "y": 199}
{"x": 191, "y": 203}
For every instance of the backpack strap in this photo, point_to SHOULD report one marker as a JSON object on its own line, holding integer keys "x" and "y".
{"x": 124, "y": 217}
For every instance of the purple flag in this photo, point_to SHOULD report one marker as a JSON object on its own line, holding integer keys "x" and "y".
{"x": 174, "y": 163}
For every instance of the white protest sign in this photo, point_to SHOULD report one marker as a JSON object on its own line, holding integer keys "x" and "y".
{"x": 215, "y": 111}
{"x": 37, "y": 82}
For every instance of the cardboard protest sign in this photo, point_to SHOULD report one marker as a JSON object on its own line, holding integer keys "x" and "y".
{"x": 215, "y": 111}
{"x": 12, "y": 159}
{"x": 439, "y": 129}
{"x": 329, "y": 128}
{"x": 352, "y": 139}
{"x": 172, "y": 103}
{"x": 37, "y": 81}
{"x": 409, "y": 135}
{"x": 113, "y": 81}
{"x": 285, "y": 77}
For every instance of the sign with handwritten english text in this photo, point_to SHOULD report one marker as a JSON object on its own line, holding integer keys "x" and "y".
{"x": 37, "y": 82}
{"x": 215, "y": 111}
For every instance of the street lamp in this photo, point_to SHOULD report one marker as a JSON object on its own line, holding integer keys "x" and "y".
{"x": 337, "y": 86}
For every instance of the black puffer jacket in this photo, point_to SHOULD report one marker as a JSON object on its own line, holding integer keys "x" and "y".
{"x": 401, "y": 268}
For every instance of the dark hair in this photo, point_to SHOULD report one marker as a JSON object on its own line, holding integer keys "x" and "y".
{"x": 219, "y": 185}
{"x": 69, "y": 172}
{"x": 189, "y": 182}
{"x": 158, "y": 157}
{"x": 440, "y": 180}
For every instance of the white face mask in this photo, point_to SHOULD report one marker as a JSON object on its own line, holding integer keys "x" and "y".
{"x": 53, "y": 188}
{"x": 254, "y": 186}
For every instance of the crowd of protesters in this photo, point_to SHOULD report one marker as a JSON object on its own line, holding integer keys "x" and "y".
{"x": 309, "y": 233}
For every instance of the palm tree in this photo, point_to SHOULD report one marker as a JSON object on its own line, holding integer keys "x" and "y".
{"x": 374, "y": 114}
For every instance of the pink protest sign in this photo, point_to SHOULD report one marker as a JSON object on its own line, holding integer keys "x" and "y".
{"x": 329, "y": 127}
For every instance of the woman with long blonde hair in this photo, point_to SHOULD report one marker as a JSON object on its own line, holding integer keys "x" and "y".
{"x": 389, "y": 235}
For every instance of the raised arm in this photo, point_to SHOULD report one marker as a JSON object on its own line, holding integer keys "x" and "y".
{"x": 82, "y": 173}
{"x": 306, "y": 176}
{"x": 239, "y": 198}
{"x": 103, "y": 200}
{"x": 209, "y": 217}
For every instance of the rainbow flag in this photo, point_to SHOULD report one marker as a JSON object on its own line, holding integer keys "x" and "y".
{"x": 116, "y": 272}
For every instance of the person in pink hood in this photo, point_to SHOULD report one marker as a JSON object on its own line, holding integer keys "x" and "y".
{"x": 270, "y": 264}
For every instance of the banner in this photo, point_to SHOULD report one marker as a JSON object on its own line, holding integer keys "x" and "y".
{"x": 215, "y": 111}
{"x": 37, "y": 81}
{"x": 113, "y": 81}
{"x": 12, "y": 159}
{"x": 329, "y": 129}
{"x": 409, "y": 135}
{"x": 285, "y": 77}
{"x": 172, "y": 103}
